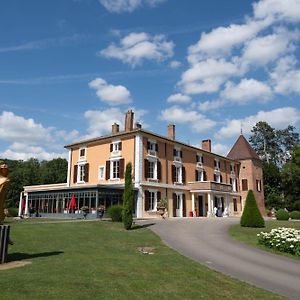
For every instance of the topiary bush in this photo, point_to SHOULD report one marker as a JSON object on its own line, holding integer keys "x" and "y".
{"x": 115, "y": 213}
{"x": 282, "y": 215}
{"x": 295, "y": 215}
{"x": 251, "y": 215}
{"x": 128, "y": 198}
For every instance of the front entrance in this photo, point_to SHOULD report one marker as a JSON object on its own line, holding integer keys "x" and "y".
{"x": 219, "y": 206}
{"x": 201, "y": 206}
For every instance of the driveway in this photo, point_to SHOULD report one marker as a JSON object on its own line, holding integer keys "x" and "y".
{"x": 206, "y": 240}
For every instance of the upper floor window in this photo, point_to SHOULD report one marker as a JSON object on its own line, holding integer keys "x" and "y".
{"x": 81, "y": 173}
{"x": 101, "y": 173}
{"x": 82, "y": 153}
{"x": 152, "y": 169}
{"x": 218, "y": 177}
{"x": 152, "y": 146}
{"x": 244, "y": 184}
{"x": 200, "y": 175}
{"x": 178, "y": 173}
{"x": 116, "y": 146}
{"x": 114, "y": 169}
{"x": 217, "y": 164}
{"x": 199, "y": 158}
{"x": 233, "y": 183}
{"x": 232, "y": 168}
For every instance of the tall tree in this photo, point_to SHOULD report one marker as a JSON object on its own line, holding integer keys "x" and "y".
{"x": 128, "y": 198}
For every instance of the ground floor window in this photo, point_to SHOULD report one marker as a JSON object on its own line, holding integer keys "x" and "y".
{"x": 235, "y": 204}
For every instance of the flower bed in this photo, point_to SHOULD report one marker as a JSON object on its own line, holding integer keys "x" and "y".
{"x": 282, "y": 239}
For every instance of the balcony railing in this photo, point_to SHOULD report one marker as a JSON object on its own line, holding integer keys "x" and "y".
{"x": 210, "y": 185}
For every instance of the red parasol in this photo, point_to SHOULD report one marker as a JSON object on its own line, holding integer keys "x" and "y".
{"x": 72, "y": 204}
{"x": 23, "y": 204}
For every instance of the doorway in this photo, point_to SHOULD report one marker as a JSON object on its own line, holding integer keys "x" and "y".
{"x": 201, "y": 206}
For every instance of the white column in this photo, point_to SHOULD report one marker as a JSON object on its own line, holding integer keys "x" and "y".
{"x": 26, "y": 203}
{"x": 209, "y": 212}
{"x": 193, "y": 204}
{"x": 20, "y": 204}
{"x": 69, "y": 167}
{"x": 138, "y": 171}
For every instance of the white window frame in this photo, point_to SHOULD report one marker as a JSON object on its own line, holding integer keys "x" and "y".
{"x": 81, "y": 158}
{"x": 200, "y": 156}
{"x": 154, "y": 161}
{"x": 112, "y": 169}
{"x": 218, "y": 164}
{"x": 152, "y": 145}
{"x": 152, "y": 200}
{"x": 233, "y": 181}
{"x": 178, "y": 174}
{"x": 80, "y": 173}
{"x": 218, "y": 177}
{"x": 101, "y": 173}
{"x": 200, "y": 175}
{"x": 115, "y": 146}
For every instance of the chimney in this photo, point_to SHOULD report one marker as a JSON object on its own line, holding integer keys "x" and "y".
{"x": 138, "y": 125}
{"x": 206, "y": 145}
{"x": 115, "y": 128}
{"x": 171, "y": 131}
{"x": 129, "y": 120}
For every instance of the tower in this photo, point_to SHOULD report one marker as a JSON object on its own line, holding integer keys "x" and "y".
{"x": 250, "y": 173}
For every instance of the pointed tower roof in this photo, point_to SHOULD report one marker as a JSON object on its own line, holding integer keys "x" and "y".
{"x": 242, "y": 150}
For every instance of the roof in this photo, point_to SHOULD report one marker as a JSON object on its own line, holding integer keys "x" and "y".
{"x": 242, "y": 150}
{"x": 134, "y": 131}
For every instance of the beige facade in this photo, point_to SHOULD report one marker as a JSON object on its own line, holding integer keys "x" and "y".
{"x": 195, "y": 181}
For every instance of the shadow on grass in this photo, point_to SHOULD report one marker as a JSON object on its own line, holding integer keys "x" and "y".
{"x": 135, "y": 227}
{"x": 20, "y": 255}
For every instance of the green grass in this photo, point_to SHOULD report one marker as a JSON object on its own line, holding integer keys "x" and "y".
{"x": 100, "y": 260}
{"x": 248, "y": 235}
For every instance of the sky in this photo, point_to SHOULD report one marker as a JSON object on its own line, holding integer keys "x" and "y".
{"x": 71, "y": 68}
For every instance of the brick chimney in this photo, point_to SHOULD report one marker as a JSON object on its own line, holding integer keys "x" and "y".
{"x": 171, "y": 131}
{"x": 115, "y": 128}
{"x": 206, "y": 145}
{"x": 129, "y": 120}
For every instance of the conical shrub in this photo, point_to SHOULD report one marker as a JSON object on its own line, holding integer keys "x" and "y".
{"x": 251, "y": 215}
{"x": 128, "y": 198}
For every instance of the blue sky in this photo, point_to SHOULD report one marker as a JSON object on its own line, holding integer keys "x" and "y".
{"x": 71, "y": 68}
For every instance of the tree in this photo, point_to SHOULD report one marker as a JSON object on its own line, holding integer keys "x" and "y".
{"x": 54, "y": 171}
{"x": 128, "y": 198}
{"x": 251, "y": 215}
{"x": 291, "y": 179}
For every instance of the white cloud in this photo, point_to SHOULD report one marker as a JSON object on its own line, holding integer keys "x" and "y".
{"x": 285, "y": 77}
{"x": 137, "y": 47}
{"x": 220, "y": 149}
{"x": 262, "y": 50}
{"x": 179, "y": 98}
{"x": 17, "y": 128}
{"x": 288, "y": 10}
{"x": 212, "y": 105}
{"x": 220, "y": 41}
{"x": 174, "y": 64}
{"x": 207, "y": 76}
{"x": 197, "y": 121}
{"x": 277, "y": 118}
{"x": 247, "y": 90}
{"x": 120, "y": 6}
{"x": 111, "y": 94}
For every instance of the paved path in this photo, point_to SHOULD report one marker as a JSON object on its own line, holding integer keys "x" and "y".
{"x": 207, "y": 241}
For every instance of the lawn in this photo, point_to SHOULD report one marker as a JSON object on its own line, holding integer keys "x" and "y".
{"x": 100, "y": 260}
{"x": 248, "y": 235}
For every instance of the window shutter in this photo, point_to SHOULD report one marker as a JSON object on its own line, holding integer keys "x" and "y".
{"x": 237, "y": 185}
{"x": 183, "y": 174}
{"x": 196, "y": 175}
{"x": 204, "y": 176}
{"x": 121, "y": 168}
{"x": 120, "y": 146}
{"x": 75, "y": 174}
{"x": 156, "y": 147}
{"x": 146, "y": 200}
{"x": 107, "y": 170}
{"x": 180, "y": 153}
{"x": 158, "y": 170}
{"x": 86, "y": 173}
{"x": 148, "y": 145}
{"x": 111, "y": 147}
{"x": 230, "y": 180}
{"x": 173, "y": 173}
{"x": 146, "y": 168}
{"x": 174, "y": 204}
{"x": 158, "y": 196}
{"x": 202, "y": 159}
{"x": 221, "y": 178}
{"x": 183, "y": 206}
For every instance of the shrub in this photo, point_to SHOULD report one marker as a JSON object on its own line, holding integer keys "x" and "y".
{"x": 115, "y": 213}
{"x": 282, "y": 239}
{"x": 13, "y": 212}
{"x": 295, "y": 215}
{"x": 251, "y": 215}
{"x": 128, "y": 198}
{"x": 282, "y": 215}
{"x": 297, "y": 205}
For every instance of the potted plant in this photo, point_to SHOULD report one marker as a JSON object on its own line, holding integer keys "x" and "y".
{"x": 85, "y": 211}
{"x": 101, "y": 210}
{"x": 162, "y": 207}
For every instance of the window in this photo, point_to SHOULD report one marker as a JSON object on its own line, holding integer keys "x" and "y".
{"x": 82, "y": 153}
{"x": 217, "y": 164}
{"x": 178, "y": 201}
{"x": 199, "y": 158}
{"x": 178, "y": 174}
{"x": 152, "y": 146}
{"x": 115, "y": 166}
{"x": 152, "y": 167}
{"x": 244, "y": 184}
{"x": 80, "y": 174}
{"x": 218, "y": 177}
{"x": 233, "y": 184}
{"x": 152, "y": 200}
{"x": 116, "y": 146}
{"x": 200, "y": 175}
{"x": 177, "y": 152}
{"x": 101, "y": 173}
{"x": 232, "y": 168}
{"x": 258, "y": 185}
{"x": 235, "y": 204}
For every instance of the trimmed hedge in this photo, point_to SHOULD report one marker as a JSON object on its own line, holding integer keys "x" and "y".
{"x": 295, "y": 215}
{"x": 12, "y": 211}
{"x": 251, "y": 215}
{"x": 282, "y": 215}
{"x": 115, "y": 213}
